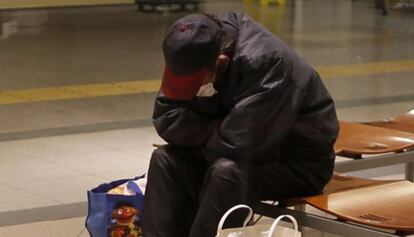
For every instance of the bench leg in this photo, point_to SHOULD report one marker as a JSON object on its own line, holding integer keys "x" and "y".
{"x": 301, "y": 208}
{"x": 409, "y": 171}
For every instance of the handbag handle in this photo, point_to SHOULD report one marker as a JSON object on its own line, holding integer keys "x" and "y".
{"x": 224, "y": 217}
{"x": 139, "y": 177}
{"x": 276, "y": 222}
{"x": 133, "y": 186}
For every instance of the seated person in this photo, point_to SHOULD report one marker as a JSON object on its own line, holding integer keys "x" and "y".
{"x": 245, "y": 120}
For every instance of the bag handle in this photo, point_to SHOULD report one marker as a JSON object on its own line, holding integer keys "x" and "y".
{"x": 133, "y": 186}
{"x": 224, "y": 217}
{"x": 139, "y": 177}
{"x": 276, "y": 222}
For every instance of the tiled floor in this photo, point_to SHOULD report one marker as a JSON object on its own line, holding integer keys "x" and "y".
{"x": 63, "y": 228}
{"x": 58, "y": 170}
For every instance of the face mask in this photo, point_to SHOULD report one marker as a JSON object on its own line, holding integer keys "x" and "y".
{"x": 206, "y": 90}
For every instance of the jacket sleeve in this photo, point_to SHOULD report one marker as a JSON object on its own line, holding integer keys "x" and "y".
{"x": 182, "y": 122}
{"x": 261, "y": 117}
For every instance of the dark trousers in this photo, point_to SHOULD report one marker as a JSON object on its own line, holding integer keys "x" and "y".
{"x": 186, "y": 197}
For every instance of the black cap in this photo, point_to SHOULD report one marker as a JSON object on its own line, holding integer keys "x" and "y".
{"x": 191, "y": 43}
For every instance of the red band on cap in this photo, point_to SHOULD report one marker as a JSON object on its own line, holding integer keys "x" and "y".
{"x": 182, "y": 87}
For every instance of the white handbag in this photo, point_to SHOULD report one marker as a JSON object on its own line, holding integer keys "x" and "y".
{"x": 257, "y": 230}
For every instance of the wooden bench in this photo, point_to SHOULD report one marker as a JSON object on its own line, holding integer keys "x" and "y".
{"x": 380, "y": 204}
{"x": 403, "y": 122}
{"x": 176, "y": 5}
{"x": 361, "y": 207}
{"x": 370, "y": 147}
{"x": 355, "y": 140}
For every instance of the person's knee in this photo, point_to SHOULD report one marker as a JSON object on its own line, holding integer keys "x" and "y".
{"x": 227, "y": 180}
{"x": 224, "y": 168}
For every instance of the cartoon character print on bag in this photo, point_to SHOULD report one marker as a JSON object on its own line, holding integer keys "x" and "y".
{"x": 125, "y": 222}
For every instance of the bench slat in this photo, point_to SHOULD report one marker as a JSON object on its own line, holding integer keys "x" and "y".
{"x": 388, "y": 206}
{"x": 403, "y": 122}
{"x": 357, "y": 139}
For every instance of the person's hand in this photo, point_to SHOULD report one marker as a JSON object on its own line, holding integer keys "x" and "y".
{"x": 220, "y": 67}
{"x": 207, "y": 88}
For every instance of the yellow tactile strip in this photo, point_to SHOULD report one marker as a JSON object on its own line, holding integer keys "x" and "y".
{"x": 17, "y": 4}
{"x": 365, "y": 68}
{"x": 144, "y": 86}
{"x": 78, "y": 91}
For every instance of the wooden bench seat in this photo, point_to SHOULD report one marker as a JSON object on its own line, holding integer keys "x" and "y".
{"x": 342, "y": 182}
{"x": 338, "y": 183}
{"x": 403, "y": 122}
{"x": 358, "y": 139}
{"x": 376, "y": 145}
{"x": 374, "y": 203}
{"x": 362, "y": 207}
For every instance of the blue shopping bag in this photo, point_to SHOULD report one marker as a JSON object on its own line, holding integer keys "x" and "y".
{"x": 115, "y": 215}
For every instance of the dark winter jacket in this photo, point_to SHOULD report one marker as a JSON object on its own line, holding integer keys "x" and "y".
{"x": 270, "y": 104}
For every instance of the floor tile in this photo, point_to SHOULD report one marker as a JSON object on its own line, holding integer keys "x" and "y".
{"x": 16, "y": 199}
{"x": 9, "y": 156}
{"x": 124, "y": 174}
{"x": 124, "y": 138}
{"x": 62, "y": 190}
{"x": 19, "y": 168}
{"x": 370, "y": 86}
{"x": 141, "y": 150}
{"x": 100, "y": 162}
{"x": 49, "y": 146}
{"x": 73, "y": 227}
